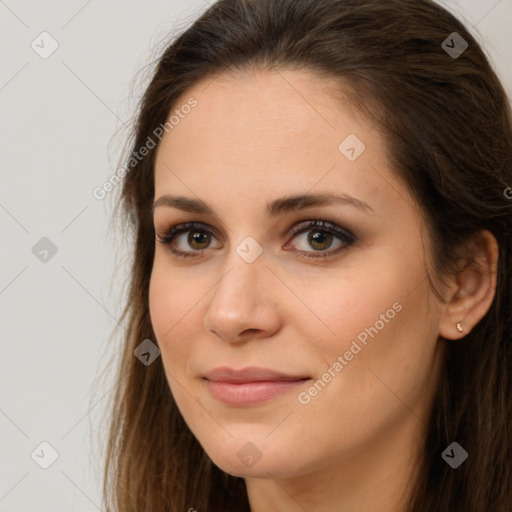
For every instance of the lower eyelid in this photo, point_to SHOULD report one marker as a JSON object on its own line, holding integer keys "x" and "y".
{"x": 344, "y": 237}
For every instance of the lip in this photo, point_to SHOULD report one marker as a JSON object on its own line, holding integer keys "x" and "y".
{"x": 249, "y": 386}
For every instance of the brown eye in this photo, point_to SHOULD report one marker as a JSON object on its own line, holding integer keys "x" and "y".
{"x": 320, "y": 240}
{"x": 199, "y": 238}
{"x": 321, "y": 235}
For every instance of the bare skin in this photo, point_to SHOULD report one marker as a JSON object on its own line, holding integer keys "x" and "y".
{"x": 351, "y": 445}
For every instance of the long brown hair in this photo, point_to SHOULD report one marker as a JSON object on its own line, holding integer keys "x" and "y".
{"x": 447, "y": 123}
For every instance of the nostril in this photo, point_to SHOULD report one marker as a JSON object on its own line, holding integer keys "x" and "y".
{"x": 249, "y": 333}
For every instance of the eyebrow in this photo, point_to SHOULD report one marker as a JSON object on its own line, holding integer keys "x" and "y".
{"x": 274, "y": 208}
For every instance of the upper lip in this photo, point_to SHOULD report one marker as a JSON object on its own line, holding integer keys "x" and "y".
{"x": 249, "y": 374}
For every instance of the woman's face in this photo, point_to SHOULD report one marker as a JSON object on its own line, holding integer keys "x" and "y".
{"x": 338, "y": 316}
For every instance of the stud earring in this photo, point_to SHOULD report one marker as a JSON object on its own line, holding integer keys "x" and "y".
{"x": 459, "y": 326}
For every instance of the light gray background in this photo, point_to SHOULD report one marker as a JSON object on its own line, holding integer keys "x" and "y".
{"x": 59, "y": 117}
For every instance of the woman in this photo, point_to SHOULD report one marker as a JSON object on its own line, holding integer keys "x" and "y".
{"x": 320, "y": 304}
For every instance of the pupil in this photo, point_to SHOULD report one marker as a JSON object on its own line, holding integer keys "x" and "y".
{"x": 197, "y": 237}
{"x": 318, "y": 238}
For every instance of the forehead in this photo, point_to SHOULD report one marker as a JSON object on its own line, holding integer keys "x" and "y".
{"x": 271, "y": 133}
{"x": 265, "y": 108}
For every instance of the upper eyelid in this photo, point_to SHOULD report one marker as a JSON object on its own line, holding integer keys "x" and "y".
{"x": 306, "y": 225}
{"x": 344, "y": 235}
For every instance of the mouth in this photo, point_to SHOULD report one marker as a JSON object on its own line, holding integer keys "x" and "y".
{"x": 249, "y": 386}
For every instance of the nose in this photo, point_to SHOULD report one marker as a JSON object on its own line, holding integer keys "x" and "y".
{"x": 243, "y": 304}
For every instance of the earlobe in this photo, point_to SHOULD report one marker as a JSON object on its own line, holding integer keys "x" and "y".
{"x": 474, "y": 288}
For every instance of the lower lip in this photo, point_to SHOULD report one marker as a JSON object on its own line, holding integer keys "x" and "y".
{"x": 250, "y": 393}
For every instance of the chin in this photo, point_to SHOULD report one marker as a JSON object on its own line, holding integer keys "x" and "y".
{"x": 234, "y": 467}
{"x": 256, "y": 459}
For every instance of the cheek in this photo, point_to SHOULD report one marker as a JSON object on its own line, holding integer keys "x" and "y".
{"x": 342, "y": 307}
{"x": 171, "y": 313}
{"x": 170, "y": 308}
{"x": 391, "y": 370}
{"x": 160, "y": 300}
{"x": 379, "y": 320}
{"x": 172, "y": 294}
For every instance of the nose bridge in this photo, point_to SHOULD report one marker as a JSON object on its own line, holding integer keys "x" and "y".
{"x": 245, "y": 262}
{"x": 239, "y": 282}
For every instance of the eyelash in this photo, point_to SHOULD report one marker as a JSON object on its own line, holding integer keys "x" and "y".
{"x": 322, "y": 226}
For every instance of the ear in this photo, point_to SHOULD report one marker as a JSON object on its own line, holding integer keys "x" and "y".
{"x": 472, "y": 290}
